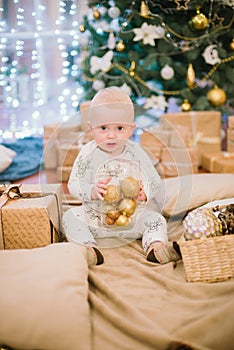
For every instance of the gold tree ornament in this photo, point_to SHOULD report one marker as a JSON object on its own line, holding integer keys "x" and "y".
{"x": 120, "y": 46}
{"x": 132, "y": 68}
{"x": 186, "y": 106}
{"x": 190, "y": 76}
{"x": 82, "y": 28}
{"x": 144, "y": 10}
{"x": 200, "y": 21}
{"x": 232, "y": 45}
{"x": 96, "y": 14}
{"x": 216, "y": 96}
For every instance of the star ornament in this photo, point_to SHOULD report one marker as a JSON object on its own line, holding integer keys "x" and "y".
{"x": 182, "y": 4}
{"x": 101, "y": 63}
{"x": 156, "y": 102}
{"x": 148, "y": 33}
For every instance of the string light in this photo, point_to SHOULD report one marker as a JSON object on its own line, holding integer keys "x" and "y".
{"x": 24, "y": 81}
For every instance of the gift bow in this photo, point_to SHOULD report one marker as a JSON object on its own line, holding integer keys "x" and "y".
{"x": 13, "y": 192}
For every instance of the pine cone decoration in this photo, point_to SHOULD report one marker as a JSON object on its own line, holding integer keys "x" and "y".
{"x": 226, "y": 216}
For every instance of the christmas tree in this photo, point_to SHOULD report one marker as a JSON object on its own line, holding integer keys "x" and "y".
{"x": 156, "y": 50}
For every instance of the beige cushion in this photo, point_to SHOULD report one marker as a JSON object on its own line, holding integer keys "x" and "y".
{"x": 43, "y": 298}
{"x": 177, "y": 195}
{"x": 6, "y": 157}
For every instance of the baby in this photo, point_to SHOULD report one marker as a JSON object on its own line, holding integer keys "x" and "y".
{"x": 105, "y": 160}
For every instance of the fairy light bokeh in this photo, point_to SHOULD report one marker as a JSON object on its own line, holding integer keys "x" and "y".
{"x": 37, "y": 75}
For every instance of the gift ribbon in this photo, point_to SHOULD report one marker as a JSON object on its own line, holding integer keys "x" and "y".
{"x": 13, "y": 192}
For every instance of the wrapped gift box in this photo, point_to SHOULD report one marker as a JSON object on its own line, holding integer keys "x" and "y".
{"x": 154, "y": 140}
{"x": 203, "y": 126}
{"x": 218, "y": 162}
{"x": 63, "y": 173}
{"x": 181, "y": 136}
{"x": 230, "y": 134}
{"x": 208, "y": 145}
{"x": 231, "y": 121}
{"x": 230, "y": 146}
{"x": 67, "y": 153}
{"x": 54, "y": 133}
{"x": 33, "y": 218}
{"x": 206, "y": 123}
{"x": 178, "y": 161}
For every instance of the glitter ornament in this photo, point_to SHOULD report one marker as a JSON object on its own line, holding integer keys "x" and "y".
{"x": 130, "y": 187}
{"x": 202, "y": 223}
{"x": 167, "y": 72}
{"x": 114, "y": 12}
{"x": 112, "y": 194}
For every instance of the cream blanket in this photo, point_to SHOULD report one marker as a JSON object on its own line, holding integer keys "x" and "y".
{"x": 136, "y": 304}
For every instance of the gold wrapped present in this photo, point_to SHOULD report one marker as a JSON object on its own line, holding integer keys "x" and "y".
{"x": 208, "y": 145}
{"x": 181, "y": 136}
{"x": 30, "y": 215}
{"x": 204, "y": 128}
{"x": 154, "y": 140}
{"x": 231, "y": 121}
{"x": 230, "y": 146}
{"x": 218, "y": 162}
{"x": 63, "y": 173}
{"x": 67, "y": 153}
{"x": 230, "y": 134}
{"x": 54, "y": 133}
{"x": 207, "y": 123}
{"x": 178, "y": 161}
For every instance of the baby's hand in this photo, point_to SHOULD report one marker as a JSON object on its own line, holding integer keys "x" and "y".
{"x": 99, "y": 189}
{"x": 141, "y": 194}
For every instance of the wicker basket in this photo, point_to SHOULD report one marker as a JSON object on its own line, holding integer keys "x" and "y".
{"x": 208, "y": 260}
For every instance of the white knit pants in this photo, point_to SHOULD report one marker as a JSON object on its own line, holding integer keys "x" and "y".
{"x": 83, "y": 225}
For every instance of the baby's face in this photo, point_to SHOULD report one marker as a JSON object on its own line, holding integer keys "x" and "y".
{"x": 112, "y": 137}
{"x": 112, "y": 126}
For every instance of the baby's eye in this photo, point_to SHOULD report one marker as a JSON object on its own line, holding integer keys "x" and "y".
{"x": 120, "y": 128}
{"x": 103, "y": 127}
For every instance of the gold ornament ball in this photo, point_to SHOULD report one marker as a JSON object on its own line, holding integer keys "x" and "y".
{"x": 113, "y": 214}
{"x": 120, "y": 46}
{"x": 127, "y": 206}
{"x": 186, "y": 106}
{"x": 109, "y": 221}
{"x": 199, "y": 21}
{"x": 96, "y": 14}
{"x": 122, "y": 220}
{"x": 112, "y": 194}
{"x": 130, "y": 187}
{"x": 216, "y": 96}
{"x": 232, "y": 45}
{"x": 82, "y": 28}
